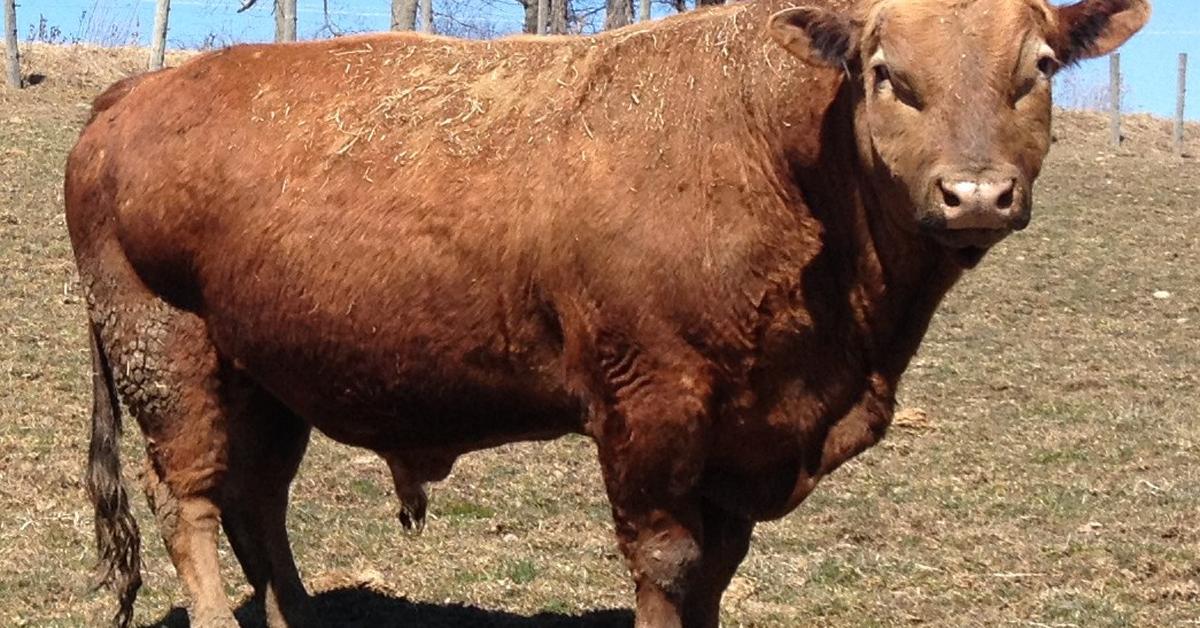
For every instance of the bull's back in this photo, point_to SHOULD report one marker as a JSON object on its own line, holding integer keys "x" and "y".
{"x": 339, "y": 130}
{"x": 399, "y": 138}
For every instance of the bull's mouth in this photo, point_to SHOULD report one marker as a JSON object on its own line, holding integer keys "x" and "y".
{"x": 968, "y": 257}
{"x": 968, "y": 246}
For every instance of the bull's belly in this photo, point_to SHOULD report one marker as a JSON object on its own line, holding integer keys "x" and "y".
{"x": 405, "y": 360}
{"x": 386, "y": 342}
{"x": 384, "y": 398}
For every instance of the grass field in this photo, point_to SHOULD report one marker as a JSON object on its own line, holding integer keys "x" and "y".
{"x": 1046, "y": 472}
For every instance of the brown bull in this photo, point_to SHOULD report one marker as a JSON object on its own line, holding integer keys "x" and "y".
{"x": 711, "y": 243}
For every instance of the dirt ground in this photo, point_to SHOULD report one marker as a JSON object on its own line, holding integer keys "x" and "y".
{"x": 1045, "y": 470}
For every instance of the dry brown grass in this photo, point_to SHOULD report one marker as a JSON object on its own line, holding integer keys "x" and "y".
{"x": 1050, "y": 478}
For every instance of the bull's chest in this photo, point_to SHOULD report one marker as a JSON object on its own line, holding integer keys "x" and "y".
{"x": 777, "y": 443}
{"x": 822, "y": 389}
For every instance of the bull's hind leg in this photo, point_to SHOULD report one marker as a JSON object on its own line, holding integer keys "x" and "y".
{"x": 188, "y": 524}
{"x": 267, "y": 443}
{"x": 167, "y": 373}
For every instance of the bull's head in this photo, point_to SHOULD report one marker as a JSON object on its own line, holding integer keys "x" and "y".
{"x": 952, "y": 98}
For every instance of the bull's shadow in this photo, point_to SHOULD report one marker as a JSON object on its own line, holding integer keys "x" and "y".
{"x": 354, "y": 607}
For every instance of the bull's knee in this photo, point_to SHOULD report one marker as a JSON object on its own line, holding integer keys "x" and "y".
{"x": 666, "y": 555}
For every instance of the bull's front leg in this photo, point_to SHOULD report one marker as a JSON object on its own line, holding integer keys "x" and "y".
{"x": 663, "y": 552}
{"x": 726, "y": 541}
{"x": 652, "y": 430}
{"x": 682, "y": 557}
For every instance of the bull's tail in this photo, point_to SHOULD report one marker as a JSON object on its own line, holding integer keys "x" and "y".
{"x": 117, "y": 539}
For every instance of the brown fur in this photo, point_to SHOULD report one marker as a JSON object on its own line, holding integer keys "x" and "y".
{"x": 714, "y": 259}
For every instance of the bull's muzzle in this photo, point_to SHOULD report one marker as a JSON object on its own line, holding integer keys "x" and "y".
{"x": 993, "y": 200}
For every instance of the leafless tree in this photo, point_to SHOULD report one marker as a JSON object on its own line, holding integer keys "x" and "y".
{"x": 543, "y": 8}
{"x": 328, "y": 26}
{"x": 285, "y": 20}
{"x": 529, "y": 25}
{"x": 427, "y": 16}
{"x": 12, "y": 55}
{"x": 404, "y": 15}
{"x": 558, "y": 17}
{"x": 618, "y": 13}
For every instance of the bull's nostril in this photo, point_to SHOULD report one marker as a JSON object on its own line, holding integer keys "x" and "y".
{"x": 1005, "y": 200}
{"x": 949, "y": 198}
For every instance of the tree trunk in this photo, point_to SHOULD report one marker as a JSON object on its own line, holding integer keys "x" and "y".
{"x": 543, "y": 10}
{"x": 285, "y": 20}
{"x": 558, "y": 17}
{"x": 158, "y": 38}
{"x": 530, "y": 23}
{"x": 427, "y": 16}
{"x": 619, "y": 13}
{"x": 708, "y": 3}
{"x": 645, "y": 13}
{"x": 404, "y": 15}
{"x": 12, "y": 55}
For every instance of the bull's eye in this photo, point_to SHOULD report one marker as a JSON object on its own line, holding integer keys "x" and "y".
{"x": 883, "y": 76}
{"x": 1047, "y": 65}
{"x": 884, "y": 82}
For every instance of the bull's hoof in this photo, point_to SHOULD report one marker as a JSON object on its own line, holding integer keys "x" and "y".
{"x": 412, "y": 515}
{"x": 296, "y": 613}
{"x": 214, "y": 621}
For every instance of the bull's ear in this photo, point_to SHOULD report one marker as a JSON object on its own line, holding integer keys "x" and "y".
{"x": 818, "y": 36}
{"x": 1091, "y": 28}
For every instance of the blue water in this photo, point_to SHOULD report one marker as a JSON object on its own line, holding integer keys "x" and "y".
{"x": 1149, "y": 60}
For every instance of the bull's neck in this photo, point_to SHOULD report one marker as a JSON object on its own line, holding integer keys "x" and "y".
{"x": 891, "y": 277}
{"x": 887, "y": 279}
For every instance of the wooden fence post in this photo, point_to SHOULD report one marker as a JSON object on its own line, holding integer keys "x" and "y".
{"x": 13, "y": 56}
{"x": 158, "y": 40}
{"x": 1114, "y": 93}
{"x": 1183, "y": 59}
